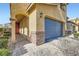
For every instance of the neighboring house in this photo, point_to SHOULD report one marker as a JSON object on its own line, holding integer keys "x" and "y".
{"x": 71, "y": 27}
{"x": 1, "y": 26}
{"x": 76, "y": 21}
{"x": 41, "y": 22}
{"x": 7, "y": 27}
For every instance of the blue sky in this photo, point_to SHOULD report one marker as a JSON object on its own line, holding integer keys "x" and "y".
{"x": 72, "y": 12}
{"x": 4, "y": 13}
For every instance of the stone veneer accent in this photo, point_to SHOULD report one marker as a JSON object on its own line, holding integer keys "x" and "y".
{"x": 37, "y": 37}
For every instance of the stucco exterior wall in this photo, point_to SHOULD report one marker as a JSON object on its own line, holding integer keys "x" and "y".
{"x": 24, "y": 26}
{"x": 32, "y": 26}
{"x": 21, "y": 28}
{"x": 50, "y": 11}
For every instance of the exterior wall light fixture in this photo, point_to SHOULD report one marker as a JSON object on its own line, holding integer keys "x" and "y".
{"x": 41, "y": 14}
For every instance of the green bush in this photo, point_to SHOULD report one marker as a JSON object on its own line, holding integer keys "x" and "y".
{"x": 7, "y": 34}
{"x": 5, "y": 37}
{"x": 3, "y": 43}
{"x": 76, "y": 35}
{"x": 4, "y": 52}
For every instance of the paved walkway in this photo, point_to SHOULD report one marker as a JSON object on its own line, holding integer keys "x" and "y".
{"x": 63, "y": 46}
{"x": 20, "y": 42}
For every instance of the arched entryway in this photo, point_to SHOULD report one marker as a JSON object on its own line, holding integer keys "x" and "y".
{"x": 22, "y": 24}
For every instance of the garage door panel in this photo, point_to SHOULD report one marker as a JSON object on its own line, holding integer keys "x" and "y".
{"x": 52, "y": 29}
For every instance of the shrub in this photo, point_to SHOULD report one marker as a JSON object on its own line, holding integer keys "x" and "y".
{"x": 4, "y": 52}
{"x": 76, "y": 35}
{"x": 5, "y": 37}
{"x": 7, "y": 34}
{"x": 3, "y": 43}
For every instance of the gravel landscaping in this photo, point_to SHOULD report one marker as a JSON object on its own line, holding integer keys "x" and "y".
{"x": 63, "y": 46}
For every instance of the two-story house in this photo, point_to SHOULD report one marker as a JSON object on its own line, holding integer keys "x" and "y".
{"x": 40, "y": 22}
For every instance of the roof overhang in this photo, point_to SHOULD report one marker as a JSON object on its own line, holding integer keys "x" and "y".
{"x": 31, "y": 4}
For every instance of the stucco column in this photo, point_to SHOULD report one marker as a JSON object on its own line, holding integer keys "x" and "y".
{"x": 40, "y": 29}
{"x": 13, "y": 35}
{"x": 36, "y": 28}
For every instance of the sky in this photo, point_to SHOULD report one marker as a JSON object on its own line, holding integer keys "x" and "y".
{"x": 72, "y": 12}
{"x": 4, "y": 13}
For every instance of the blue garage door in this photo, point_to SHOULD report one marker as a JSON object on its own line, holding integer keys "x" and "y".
{"x": 53, "y": 29}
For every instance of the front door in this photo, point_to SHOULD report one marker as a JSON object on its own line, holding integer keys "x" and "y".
{"x": 17, "y": 27}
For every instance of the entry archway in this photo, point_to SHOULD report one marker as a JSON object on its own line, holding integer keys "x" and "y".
{"x": 22, "y": 24}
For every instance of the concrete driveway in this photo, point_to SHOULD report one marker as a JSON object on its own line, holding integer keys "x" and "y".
{"x": 63, "y": 46}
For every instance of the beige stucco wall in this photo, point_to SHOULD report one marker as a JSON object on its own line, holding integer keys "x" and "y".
{"x": 49, "y": 11}
{"x": 21, "y": 28}
{"x": 24, "y": 26}
{"x": 37, "y": 23}
{"x": 32, "y": 26}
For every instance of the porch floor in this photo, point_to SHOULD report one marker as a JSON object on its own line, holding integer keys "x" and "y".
{"x": 21, "y": 40}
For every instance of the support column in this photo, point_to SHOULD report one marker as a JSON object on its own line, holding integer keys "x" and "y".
{"x": 36, "y": 27}
{"x": 40, "y": 37}
{"x": 13, "y": 35}
{"x": 37, "y": 37}
{"x": 40, "y": 29}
